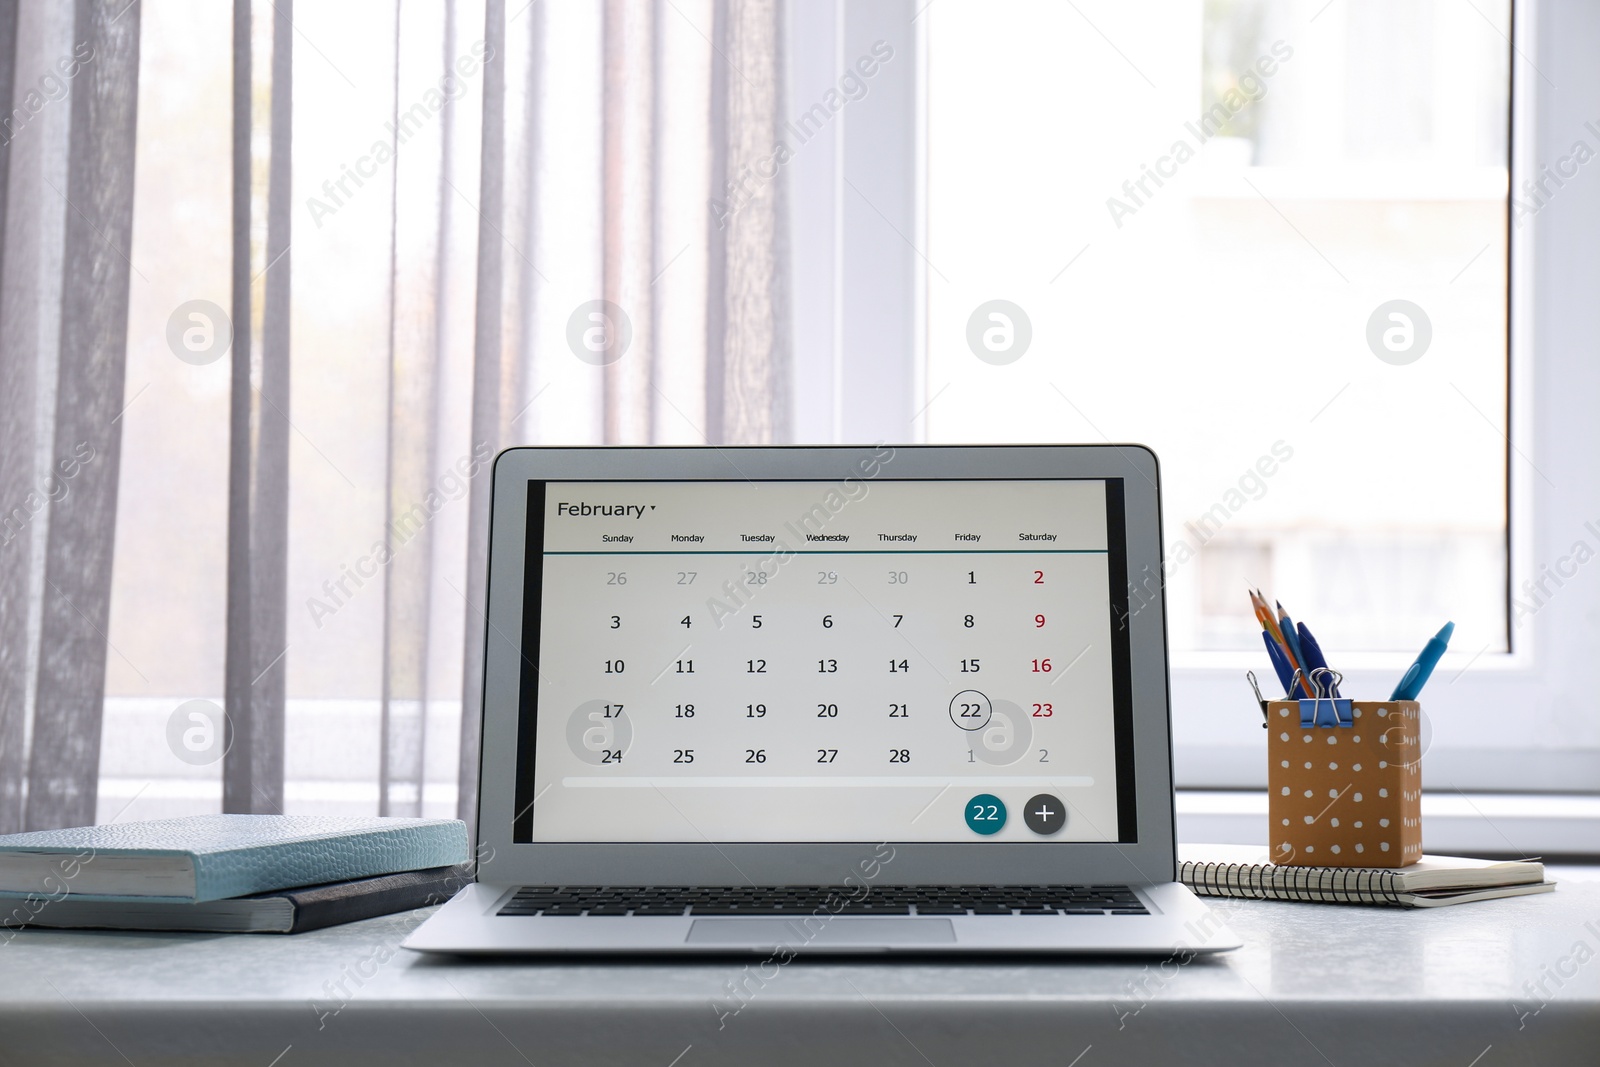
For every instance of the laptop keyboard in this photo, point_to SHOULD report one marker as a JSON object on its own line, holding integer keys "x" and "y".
{"x": 803, "y": 900}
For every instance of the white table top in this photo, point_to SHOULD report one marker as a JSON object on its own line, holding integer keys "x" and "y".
{"x": 1477, "y": 985}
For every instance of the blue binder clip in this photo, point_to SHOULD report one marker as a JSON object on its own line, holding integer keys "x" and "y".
{"x": 1326, "y": 707}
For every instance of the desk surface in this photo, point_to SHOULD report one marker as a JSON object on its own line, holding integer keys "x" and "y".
{"x": 1478, "y": 985}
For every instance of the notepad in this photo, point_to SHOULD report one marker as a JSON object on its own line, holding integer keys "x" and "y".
{"x": 1432, "y": 882}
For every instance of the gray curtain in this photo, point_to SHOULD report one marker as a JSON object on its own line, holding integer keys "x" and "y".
{"x": 16, "y": 442}
{"x": 65, "y": 270}
{"x": 747, "y": 359}
{"x": 255, "y": 668}
{"x": 66, "y": 185}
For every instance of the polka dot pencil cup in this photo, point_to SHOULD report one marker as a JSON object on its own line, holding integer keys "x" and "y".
{"x": 1344, "y": 782}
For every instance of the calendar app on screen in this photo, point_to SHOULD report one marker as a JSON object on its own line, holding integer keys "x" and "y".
{"x": 814, "y": 661}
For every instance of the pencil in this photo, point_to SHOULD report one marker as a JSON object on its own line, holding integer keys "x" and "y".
{"x": 1270, "y": 625}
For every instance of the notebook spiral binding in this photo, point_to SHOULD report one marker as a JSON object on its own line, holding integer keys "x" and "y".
{"x": 1265, "y": 881}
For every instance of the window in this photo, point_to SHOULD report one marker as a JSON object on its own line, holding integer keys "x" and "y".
{"x": 1269, "y": 240}
{"x": 1379, "y": 166}
{"x": 1331, "y": 258}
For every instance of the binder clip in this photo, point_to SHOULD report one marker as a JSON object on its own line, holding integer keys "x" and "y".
{"x": 1261, "y": 700}
{"x": 1325, "y": 707}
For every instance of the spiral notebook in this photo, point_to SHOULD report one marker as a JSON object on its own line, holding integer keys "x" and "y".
{"x": 1432, "y": 882}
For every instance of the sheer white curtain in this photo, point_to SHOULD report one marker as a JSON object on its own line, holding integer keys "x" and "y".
{"x": 360, "y": 248}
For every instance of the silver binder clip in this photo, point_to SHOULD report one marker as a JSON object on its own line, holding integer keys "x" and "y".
{"x": 1256, "y": 686}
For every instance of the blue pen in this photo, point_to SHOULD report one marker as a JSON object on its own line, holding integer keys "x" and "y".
{"x": 1291, "y": 638}
{"x": 1416, "y": 677}
{"x": 1279, "y": 664}
{"x": 1314, "y": 659}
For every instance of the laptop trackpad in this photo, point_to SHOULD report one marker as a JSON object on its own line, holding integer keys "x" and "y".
{"x": 797, "y": 933}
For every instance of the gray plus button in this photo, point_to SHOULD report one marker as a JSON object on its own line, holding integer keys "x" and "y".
{"x": 1044, "y": 814}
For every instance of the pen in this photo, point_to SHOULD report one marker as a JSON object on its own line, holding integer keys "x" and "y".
{"x": 1417, "y": 675}
{"x": 1279, "y": 664}
{"x": 1314, "y": 658}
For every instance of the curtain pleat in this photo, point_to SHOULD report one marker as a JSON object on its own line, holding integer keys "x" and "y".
{"x": 754, "y": 355}
{"x": 16, "y": 441}
{"x": 487, "y": 354}
{"x": 30, "y": 281}
{"x": 258, "y": 512}
{"x": 8, "y": 76}
{"x": 241, "y": 404}
{"x": 64, "y": 759}
{"x": 520, "y": 123}
{"x": 716, "y": 334}
{"x": 417, "y": 257}
{"x": 628, "y": 213}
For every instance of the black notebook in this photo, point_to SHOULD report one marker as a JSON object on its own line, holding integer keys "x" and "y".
{"x": 283, "y": 911}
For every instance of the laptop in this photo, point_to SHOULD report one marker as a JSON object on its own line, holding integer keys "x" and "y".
{"x": 825, "y": 700}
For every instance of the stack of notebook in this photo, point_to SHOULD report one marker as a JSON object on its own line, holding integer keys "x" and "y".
{"x": 229, "y": 873}
{"x": 1432, "y": 882}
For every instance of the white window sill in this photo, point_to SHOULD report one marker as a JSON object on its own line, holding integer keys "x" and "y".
{"x": 1453, "y": 824}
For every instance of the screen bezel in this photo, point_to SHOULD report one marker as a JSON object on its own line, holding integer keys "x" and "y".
{"x": 1147, "y": 859}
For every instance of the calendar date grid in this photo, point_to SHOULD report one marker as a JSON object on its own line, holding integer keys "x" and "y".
{"x": 862, "y": 667}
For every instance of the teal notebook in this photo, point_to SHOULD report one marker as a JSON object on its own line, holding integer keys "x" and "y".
{"x": 215, "y": 857}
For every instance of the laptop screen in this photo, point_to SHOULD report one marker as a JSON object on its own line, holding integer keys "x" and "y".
{"x": 803, "y": 661}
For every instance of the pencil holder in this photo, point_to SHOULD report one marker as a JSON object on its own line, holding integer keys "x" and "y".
{"x": 1344, "y": 782}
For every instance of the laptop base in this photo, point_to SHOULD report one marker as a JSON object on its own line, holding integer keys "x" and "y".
{"x": 1178, "y": 924}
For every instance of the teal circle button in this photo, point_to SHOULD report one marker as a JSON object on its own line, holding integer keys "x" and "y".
{"x": 986, "y": 814}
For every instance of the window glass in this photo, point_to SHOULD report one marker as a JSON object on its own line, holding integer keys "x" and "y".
{"x": 1270, "y": 241}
